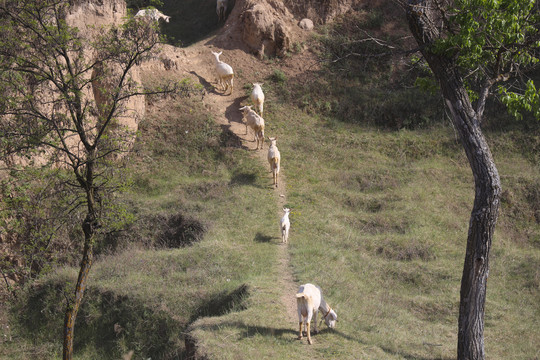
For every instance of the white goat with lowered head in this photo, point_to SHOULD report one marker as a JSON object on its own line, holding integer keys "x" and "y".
{"x": 309, "y": 301}
{"x": 257, "y": 97}
{"x": 255, "y": 122}
{"x": 225, "y": 73}
{"x": 221, "y": 9}
{"x": 285, "y": 225}
{"x": 152, "y": 14}
{"x": 274, "y": 158}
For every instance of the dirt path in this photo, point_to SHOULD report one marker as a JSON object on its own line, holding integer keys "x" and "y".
{"x": 198, "y": 62}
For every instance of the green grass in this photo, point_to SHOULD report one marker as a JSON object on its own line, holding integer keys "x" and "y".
{"x": 379, "y": 221}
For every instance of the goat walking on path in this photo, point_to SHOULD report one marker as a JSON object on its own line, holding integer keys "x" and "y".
{"x": 255, "y": 122}
{"x": 257, "y": 97}
{"x": 285, "y": 225}
{"x": 225, "y": 73}
{"x": 309, "y": 301}
{"x": 274, "y": 158}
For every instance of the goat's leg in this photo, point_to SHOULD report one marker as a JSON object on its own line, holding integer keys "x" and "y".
{"x": 300, "y": 331}
{"x": 308, "y": 334}
{"x": 315, "y": 321}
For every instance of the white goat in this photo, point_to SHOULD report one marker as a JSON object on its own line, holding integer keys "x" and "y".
{"x": 221, "y": 9}
{"x": 274, "y": 158}
{"x": 256, "y": 122}
{"x": 224, "y": 72}
{"x": 285, "y": 225}
{"x": 309, "y": 301}
{"x": 257, "y": 97}
{"x": 152, "y": 14}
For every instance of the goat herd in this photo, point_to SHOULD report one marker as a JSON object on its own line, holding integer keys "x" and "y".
{"x": 309, "y": 298}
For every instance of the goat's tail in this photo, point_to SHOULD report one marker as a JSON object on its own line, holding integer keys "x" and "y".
{"x": 300, "y": 295}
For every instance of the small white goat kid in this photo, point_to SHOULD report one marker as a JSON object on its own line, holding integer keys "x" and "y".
{"x": 257, "y": 97}
{"x": 255, "y": 122}
{"x": 285, "y": 225}
{"x": 309, "y": 301}
{"x": 274, "y": 158}
{"x": 225, "y": 73}
{"x": 221, "y": 9}
{"x": 152, "y": 14}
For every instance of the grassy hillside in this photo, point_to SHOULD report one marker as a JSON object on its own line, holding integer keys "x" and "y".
{"x": 379, "y": 221}
{"x": 380, "y": 193}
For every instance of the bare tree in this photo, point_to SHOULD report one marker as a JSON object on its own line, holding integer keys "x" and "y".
{"x": 62, "y": 96}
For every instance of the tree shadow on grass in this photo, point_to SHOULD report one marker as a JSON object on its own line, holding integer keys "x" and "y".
{"x": 244, "y": 178}
{"x": 414, "y": 357}
{"x": 249, "y": 330}
{"x": 383, "y": 348}
{"x": 261, "y": 238}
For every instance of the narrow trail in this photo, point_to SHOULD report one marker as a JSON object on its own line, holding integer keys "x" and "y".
{"x": 224, "y": 108}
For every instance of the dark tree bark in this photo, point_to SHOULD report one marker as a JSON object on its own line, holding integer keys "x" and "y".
{"x": 89, "y": 229}
{"x": 425, "y": 20}
{"x": 84, "y": 271}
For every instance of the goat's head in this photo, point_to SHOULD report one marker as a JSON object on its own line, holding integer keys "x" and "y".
{"x": 272, "y": 140}
{"x": 258, "y": 84}
{"x": 166, "y": 18}
{"x": 245, "y": 109}
{"x": 216, "y": 55}
{"x": 330, "y": 319}
{"x": 286, "y": 210}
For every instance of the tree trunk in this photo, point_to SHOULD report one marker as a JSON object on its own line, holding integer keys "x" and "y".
{"x": 75, "y": 303}
{"x": 89, "y": 228}
{"x": 424, "y": 19}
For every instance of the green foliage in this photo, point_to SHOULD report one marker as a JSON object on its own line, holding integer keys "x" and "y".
{"x": 491, "y": 42}
{"x": 497, "y": 32}
{"x": 30, "y": 216}
{"x": 279, "y": 76}
{"x": 526, "y": 102}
